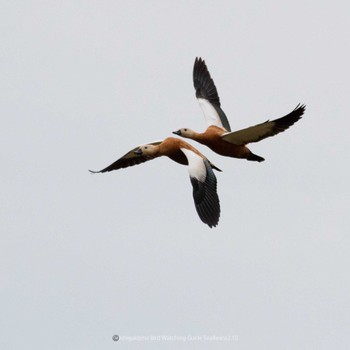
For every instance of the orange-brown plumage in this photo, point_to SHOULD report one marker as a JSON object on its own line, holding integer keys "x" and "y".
{"x": 202, "y": 176}
{"x": 171, "y": 147}
{"x": 218, "y": 135}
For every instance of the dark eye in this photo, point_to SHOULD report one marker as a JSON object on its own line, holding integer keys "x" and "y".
{"x": 185, "y": 129}
{"x": 145, "y": 147}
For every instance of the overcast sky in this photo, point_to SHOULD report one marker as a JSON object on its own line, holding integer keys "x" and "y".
{"x": 84, "y": 257}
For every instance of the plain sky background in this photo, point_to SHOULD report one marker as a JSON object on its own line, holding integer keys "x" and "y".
{"x": 84, "y": 257}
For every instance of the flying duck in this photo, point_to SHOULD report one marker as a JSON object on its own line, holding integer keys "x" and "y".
{"x": 218, "y": 136}
{"x": 200, "y": 169}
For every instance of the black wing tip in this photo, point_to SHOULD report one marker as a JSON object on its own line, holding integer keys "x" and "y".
{"x": 199, "y": 60}
{"x": 199, "y": 63}
{"x": 100, "y": 171}
{"x": 209, "y": 214}
{"x": 212, "y": 221}
{"x": 297, "y": 113}
{"x": 290, "y": 119}
{"x": 301, "y": 108}
{"x": 200, "y": 66}
{"x": 203, "y": 83}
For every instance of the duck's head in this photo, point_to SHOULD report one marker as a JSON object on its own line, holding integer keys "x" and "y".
{"x": 185, "y": 132}
{"x": 147, "y": 150}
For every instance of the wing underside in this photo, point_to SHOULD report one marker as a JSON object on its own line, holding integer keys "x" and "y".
{"x": 208, "y": 96}
{"x": 264, "y": 130}
{"x": 204, "y": 186}
{"x": 129, "y": 159}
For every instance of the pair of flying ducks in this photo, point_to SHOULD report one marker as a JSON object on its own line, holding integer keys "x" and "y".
{"x": 218, "y": 137}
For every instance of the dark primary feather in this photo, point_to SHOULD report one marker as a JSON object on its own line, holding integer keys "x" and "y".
{"x": 262, "y": 131}
{"x": 129, "y": 159}
{"x": 203, "y": 83}
{"x": 288, "y": 120}
{"x": 283, "y": 123}
{"x": 205, "y": 88}
{"x": 206, "y": 198}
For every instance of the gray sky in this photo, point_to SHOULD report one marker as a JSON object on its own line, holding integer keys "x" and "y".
{"x": 85, "y": 257}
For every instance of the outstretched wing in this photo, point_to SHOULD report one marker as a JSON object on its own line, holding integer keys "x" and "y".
{"x": 264, "y": 130}
{"x": 207, "y": 96}
{"x": 129, "y": 159}
{"x": 203, "y": 181}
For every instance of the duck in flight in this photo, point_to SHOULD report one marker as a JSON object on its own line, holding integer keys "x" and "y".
{"x": 218, "y": 136}
{"x": 200, "y": 169}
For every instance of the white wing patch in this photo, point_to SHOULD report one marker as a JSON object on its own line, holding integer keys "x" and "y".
{"x": 196, "y": 166}
{"x": 210, "y": 114}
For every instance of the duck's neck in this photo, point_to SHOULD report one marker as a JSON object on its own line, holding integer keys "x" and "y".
{"x": 198, "y": 136}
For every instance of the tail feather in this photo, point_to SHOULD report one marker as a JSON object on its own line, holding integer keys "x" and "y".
{"x": 255, "y": 158}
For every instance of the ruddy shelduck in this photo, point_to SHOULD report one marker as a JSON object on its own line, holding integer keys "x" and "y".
{"x": 218, "y": 136}
{"x": 200, "y": 169}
